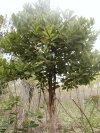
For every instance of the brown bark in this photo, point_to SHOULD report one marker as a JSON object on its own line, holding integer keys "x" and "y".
{"x": 52, "y": 112}
{"x": 52, "y": 105}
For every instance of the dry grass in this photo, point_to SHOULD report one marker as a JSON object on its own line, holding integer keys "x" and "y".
{"x": 71, "y": 119}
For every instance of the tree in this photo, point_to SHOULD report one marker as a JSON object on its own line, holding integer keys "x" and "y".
{"x": 52, "y": 45}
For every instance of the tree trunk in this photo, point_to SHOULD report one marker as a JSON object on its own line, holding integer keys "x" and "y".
{"x": 52, "y": 112}
{"x": 51, "y": 105}
{"x": 52, "y": 95}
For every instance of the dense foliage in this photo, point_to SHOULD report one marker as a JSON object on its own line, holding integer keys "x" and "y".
{"x": 53, "y": 43}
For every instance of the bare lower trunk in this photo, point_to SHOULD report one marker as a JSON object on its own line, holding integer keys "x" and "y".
{"x": 52, "y": 98}
{"x": 52, "y": 112}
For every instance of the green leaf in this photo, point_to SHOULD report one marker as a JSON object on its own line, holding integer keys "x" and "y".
{"x": 33, "y": 124}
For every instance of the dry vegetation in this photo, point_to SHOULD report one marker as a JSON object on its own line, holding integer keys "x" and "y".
{"x": 78, "y": 110}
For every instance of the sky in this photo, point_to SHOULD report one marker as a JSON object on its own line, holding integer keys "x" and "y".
{"x": 86, "y": 8}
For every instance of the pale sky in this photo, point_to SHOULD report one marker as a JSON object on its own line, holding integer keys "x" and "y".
{"x": 86, "y": 8}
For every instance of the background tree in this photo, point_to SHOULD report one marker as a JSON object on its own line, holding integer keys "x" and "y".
{"x": 53, "y": 45}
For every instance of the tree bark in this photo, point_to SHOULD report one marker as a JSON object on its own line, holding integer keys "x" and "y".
{"x": 52, "y": 112}
{"x": 52, "y": 106}
{"x": 52, "y": 95}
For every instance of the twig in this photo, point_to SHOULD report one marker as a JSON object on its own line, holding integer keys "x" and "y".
{"x": 39, "y": 98}
{"x": 67, "y": 112}
{"x": 84, "y": 115}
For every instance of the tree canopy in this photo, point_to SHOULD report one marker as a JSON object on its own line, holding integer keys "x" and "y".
{"x": 53, "y": 42}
